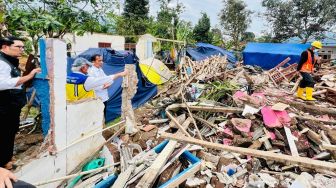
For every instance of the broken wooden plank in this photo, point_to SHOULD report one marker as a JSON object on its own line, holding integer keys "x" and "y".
{"x": 329, "y": 147}
{"x": 303, "y": 161}
{"x": 153, "y": 171}
{"x": 123, "y": 177}
{"x": 206, "y": 108}
{"x": 291, "y": 141}
{"x": 170, "y": 116}
{"x": 316, "y": 119}
{"x": 313, "y": 109}
{"x": 193, "y": 120}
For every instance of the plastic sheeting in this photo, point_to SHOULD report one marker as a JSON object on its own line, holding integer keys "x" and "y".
{"x": 114, "y": 62}
{"x": 204, "y": 50}
{"x": 268, "y": 55}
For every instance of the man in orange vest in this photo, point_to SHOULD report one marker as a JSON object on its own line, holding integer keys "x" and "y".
{"x": 306, "y": 68}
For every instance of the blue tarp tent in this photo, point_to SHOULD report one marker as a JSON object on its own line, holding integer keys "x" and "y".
{"x": 114, "y": 62}
{"x": 268, "y": 55}
{"x": 203, "y": 51}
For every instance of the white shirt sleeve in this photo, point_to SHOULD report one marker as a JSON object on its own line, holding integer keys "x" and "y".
{"x": 95, "y": 72}
{"x": 6, "y": 81}
{"x": 93, "y": 82}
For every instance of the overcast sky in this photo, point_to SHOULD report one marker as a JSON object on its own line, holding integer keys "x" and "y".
{"x": 193, "y": 8}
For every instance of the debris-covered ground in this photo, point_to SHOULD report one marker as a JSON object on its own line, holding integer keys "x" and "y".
{"x": 250, "y": 130}
{"x": 215, "y": 125}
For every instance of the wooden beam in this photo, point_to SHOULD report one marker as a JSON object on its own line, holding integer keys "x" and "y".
{"x": 329, "y": 147}
{"x": 316, "y": 119}
{"x": 206, "y": 108}
{"x": 123, "y": 177}
{"x": 313, "y": 109}
{"x": 153, "y": 171}
{"x": 301, "y": 161}
{"x": 170, "y": 116}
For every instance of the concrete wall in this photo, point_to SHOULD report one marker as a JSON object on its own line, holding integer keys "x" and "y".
{"x": 88, "y": 40}
{"x": 70, "y": 124}
{"x": 328, "y": 51}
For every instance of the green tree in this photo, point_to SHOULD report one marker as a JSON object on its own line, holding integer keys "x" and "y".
{"x": 168, "y": 19}
{"x": 202, "y": 29}
{"x": 266, "y": 37}
{"x": 168, "y": 24}
{"x": 53, "y": 19}
{"x": 3, "y": 28}
{"x": 248, "y": 37}
{"x": 217, "y": 37}
{"x": 235, "y": 19}
{"x": 300, "y": 18}
{"x": 184, "y": 32}
{"x": 135, "y": 17}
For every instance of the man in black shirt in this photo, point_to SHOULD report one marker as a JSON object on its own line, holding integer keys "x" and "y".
{"x": 12, "y": 99}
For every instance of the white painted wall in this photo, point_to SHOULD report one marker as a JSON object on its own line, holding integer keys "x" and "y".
{"x": 83, "y": 119}
{"x": 88, "y": 40}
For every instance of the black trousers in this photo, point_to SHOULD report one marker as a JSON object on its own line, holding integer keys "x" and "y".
{"x": 9, "y": 123}
{"x": 11, "y": 102}
{"x": 307, "y": 80}
{"x": 22, "y": 184}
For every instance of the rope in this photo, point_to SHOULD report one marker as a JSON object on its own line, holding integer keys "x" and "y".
{"x": 89, "y": 136}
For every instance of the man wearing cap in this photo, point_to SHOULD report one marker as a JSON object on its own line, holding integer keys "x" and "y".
{"x": 306, "y": 68}
{"x": 81, "y": 86}
{"x": 12, "y": 99}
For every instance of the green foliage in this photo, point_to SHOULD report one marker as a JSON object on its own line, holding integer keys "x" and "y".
{"x": 53, "y": 19}
{"x": 202, "y": 29}
{"x": 168, "y": 24}
{"x": 184, "y": 32}
{"x": 266, "y": 37}
{"x": 235, "y": 19}
{"x": 248, "y": 37}
{"x": 134, "y": 18}
{"x": 217, "y": 37}
{"x": 219, "y": 89}
{"x": 300, "y": 18}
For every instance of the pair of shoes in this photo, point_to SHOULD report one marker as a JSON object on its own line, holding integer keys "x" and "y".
{"x": 309, "y": 94}
{"x": 300, "y": 92}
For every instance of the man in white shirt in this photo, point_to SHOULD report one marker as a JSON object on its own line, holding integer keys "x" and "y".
{"x": 96, "y": 71}
{"x": 12, "y": 99}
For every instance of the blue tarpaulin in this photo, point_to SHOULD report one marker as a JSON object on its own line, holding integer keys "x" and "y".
{"x": 204, "y": 50}
{"x": 114, "y": 62}
{"x": 268, "y": 55}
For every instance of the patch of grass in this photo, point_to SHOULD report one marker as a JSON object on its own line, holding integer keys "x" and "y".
{"x": 117, "y": 120}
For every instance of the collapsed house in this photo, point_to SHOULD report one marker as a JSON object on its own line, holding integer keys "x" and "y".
{"x": 210, "y": 126}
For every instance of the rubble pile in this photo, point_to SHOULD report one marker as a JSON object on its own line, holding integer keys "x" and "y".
{"x": 213, "y": 126}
